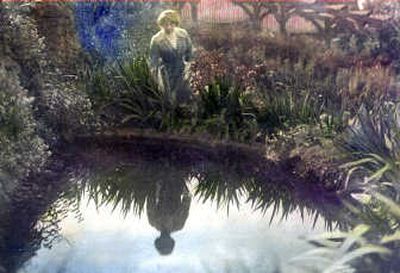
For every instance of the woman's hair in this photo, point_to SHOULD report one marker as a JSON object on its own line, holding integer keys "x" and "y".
{"x": 170, "y": 16}
{"x": 164, "y": 244}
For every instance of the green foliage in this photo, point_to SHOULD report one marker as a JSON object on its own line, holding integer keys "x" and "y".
{"x": 372, "y": 244}
{"x": 285, "y": 108}
{"x": 291, "y": 96}
{"x": 98, "y": 87}
{"x": 67, "y": 111}
{"x": 239, "y": 100}
{"x": 372, "y": 147}
{"x": 140, "y": 99}
{"x": 338, "y": 251}
{"x": 226, "y": 111}
{"x": 128, "y": 95}
{"x": 227, "y": 187}
{"x": 21, "y": 149}
{"x": 389, "y": 43}
{"x": 60, "y": 109}
{"x": 225, "y": 107}
{"x": 39, "y": 104}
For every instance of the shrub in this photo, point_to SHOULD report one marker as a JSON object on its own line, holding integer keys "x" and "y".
{"x": 368, "y": 86}
{"x": 67, "y": 111}
{"x": 21, "y": 149}
{"x": 59, "y": 108}
{"x": 206, "y": 68}
{"x": 389, "y": 43}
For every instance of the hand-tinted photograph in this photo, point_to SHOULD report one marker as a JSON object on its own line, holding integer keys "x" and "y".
{"x": 200, "y": 136}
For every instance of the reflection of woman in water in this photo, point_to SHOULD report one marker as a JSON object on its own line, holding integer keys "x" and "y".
{"x": 168, "y": 210}
{"x": 170, "y": 51}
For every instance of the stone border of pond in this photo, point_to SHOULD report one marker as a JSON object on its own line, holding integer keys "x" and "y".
{"x": 305, "y": 166}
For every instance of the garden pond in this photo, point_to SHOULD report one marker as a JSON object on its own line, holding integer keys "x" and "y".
{"x": 159, "y": 206}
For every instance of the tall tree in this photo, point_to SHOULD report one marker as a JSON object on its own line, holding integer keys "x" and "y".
{"x": 195, "y": 11}
{"x": 282, "y": 12}
{"x": 256, "y": 11}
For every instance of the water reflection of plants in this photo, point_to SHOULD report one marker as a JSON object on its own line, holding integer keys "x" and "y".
{"x": 123, "y": 188}
{"x": 278, "y": 200}
{"x": 129, "y": 187}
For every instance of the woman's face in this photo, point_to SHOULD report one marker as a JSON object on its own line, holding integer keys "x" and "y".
{"x": 168, "y": 27}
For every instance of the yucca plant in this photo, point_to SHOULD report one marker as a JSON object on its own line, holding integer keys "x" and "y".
{"x": 127, "y": 94}
{"x": 226, "y": 111}
{"x": 365, "y": 248}
{"x": 372, "y": 146}
{"x": 142, "y": 101}
{"x": 338, "y": 251}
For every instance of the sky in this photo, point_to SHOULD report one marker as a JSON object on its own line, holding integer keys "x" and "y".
{"x": 107, "y": 242}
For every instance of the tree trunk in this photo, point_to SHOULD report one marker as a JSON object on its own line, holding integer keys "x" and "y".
{"x": 195, "y": 13}
{"x": 257, "y": 24}
{"x": 282, "y": 18}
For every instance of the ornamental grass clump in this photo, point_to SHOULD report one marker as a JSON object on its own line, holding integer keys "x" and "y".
{"x": 127, "y": 95}
{"x": 226, "y": 111}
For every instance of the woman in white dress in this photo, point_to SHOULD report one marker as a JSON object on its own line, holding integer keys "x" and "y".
{"x": 170, "y": 51}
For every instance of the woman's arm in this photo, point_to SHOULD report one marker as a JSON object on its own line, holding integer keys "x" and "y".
{"x": 189, "y": 49}
{"x": 154, "y": 55}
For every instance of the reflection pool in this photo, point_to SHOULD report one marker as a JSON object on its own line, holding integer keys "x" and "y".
{"x": 168, "y": 212}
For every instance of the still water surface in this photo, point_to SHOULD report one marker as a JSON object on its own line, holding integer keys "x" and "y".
{"x": 139, "y": 215}
{"x": 210, "y": 241}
